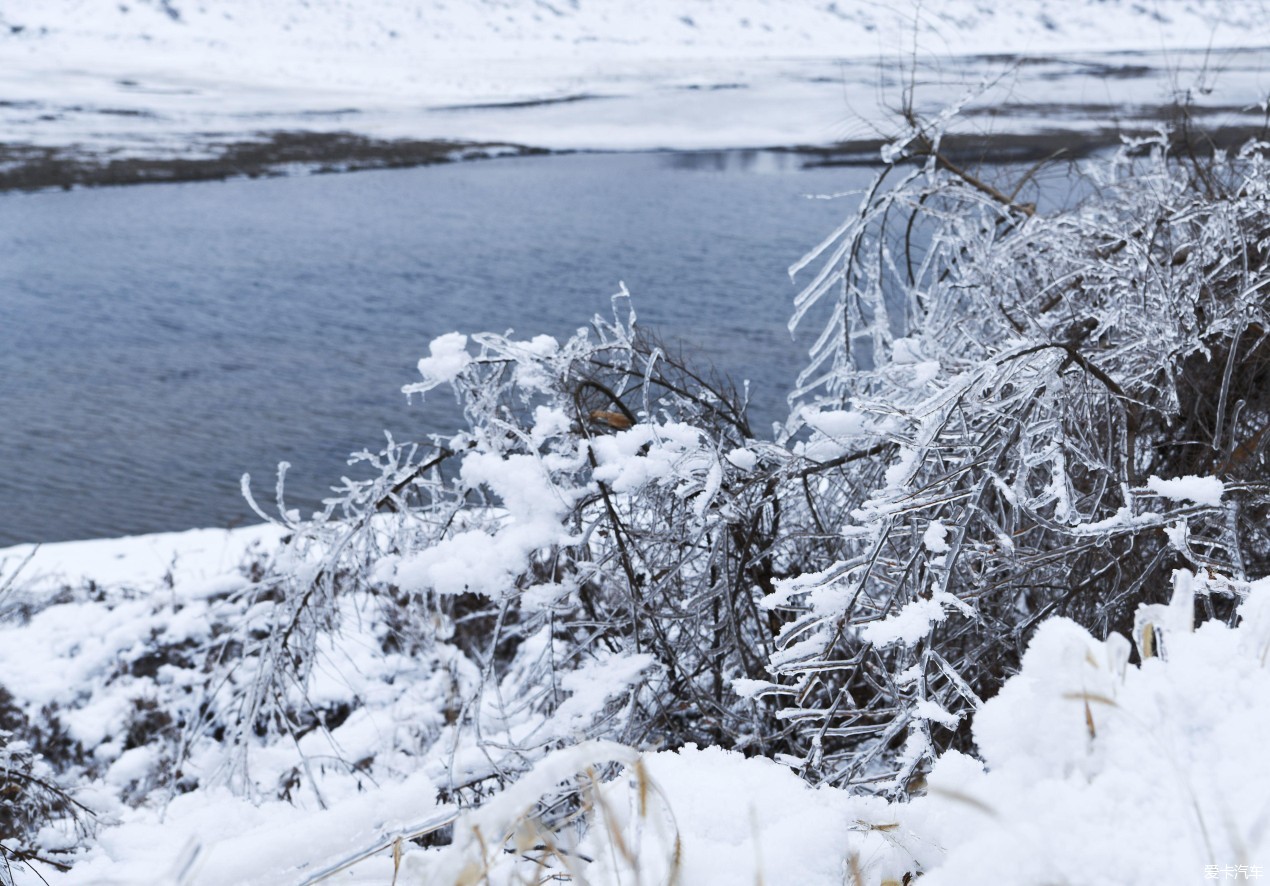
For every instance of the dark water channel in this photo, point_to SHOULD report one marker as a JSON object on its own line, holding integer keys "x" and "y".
{"x": 158, "y": 341}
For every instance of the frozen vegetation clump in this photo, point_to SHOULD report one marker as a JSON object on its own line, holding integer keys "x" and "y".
{"x": 1008, "y": 416}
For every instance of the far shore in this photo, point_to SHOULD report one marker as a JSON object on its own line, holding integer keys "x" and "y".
{"x": 26, "y": 167}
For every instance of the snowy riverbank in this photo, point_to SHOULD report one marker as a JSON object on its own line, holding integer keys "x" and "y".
{"x": 203, "y": 90}
{"x": 1097, "y": 770}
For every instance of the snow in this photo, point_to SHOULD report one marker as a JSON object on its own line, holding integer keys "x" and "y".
{"x": 448, "y": 357}
{"x": 470, "y": 849}
{"x": 747, "y": 688}
{"x": 591, "y": 30}
{"x": 649, "y": 453}
{"x": 838, "y": 423}
{"x": 232, "y": 840}
{"x": 929, "y": 710}
{"x": 482, "y": 562}
{"x": 696, "y": 815}
{"x": 1097, "y": 771}
{"x": 907, "y": 350}
{"x": 199, "y": 560}
{"x": 743, "y": 458}
{"x": 935, "y": 538}
{"x": 912, "y": 622}
{"x": 1200, "y": 490}
{"x": 743, "y": 821}
{"x": 591, "y": 685}
{"x": 135, "y": 80}
{"x": 83, "y": 649}
{"x": 70, "y": 654}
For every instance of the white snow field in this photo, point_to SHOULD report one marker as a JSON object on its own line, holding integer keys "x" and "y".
{"x": 174, "y": 77}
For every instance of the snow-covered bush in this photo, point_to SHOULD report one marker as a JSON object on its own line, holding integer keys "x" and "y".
{"x": 600, "y": 527}
{"x": 35, "y": 810}
{"x": 1011, "y": 417}
{"x": 1007, "y": 416}
{"x": 1091, "y": 769}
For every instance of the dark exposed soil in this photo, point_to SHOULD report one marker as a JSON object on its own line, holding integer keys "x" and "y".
{"x": 520, "y": 105}
{"x": 33, "y": 167}
{"x": 1064, "y": 144}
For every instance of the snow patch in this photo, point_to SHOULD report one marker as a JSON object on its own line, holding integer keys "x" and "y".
{"x": 935, "y": 538}
{"x": 449, "y": 357}
{"x": 1200, "y": 490}
{"x": 912, "y": 622}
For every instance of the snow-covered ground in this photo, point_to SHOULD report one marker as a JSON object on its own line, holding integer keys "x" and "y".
{"x": 177, "y": 78}
{"x": 1093, "y": 770}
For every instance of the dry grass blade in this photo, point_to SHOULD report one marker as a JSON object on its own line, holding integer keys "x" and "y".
{"x": 1095, "y": 697}
{"x": 963, "y": 798}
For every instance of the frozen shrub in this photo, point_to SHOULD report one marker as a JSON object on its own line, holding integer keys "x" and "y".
{"x": 1011, "y": 416}
{"x": 589, "y": 552}
{"x": 37, "y": 815}
{"x": 1007, "y": 415}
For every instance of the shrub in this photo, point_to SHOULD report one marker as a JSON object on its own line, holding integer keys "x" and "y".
{"x": 996, "y": 425}
{"x": 1013, "y": 413}
{"x": 599, "y": 524}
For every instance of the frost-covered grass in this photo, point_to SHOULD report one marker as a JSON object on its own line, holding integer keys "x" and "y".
{"x": 610, "y": 631}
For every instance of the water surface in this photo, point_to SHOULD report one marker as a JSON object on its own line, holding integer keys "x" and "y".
{"x": 158, "y": 341}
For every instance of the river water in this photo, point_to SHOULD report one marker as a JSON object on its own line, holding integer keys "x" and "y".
{"x": 158, "y": 341}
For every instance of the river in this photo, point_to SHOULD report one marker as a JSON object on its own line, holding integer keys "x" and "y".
{"x": 158, "y": 341}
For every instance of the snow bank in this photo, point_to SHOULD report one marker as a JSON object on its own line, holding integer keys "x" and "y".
{"x": 1098, "y": 771}
{"x": 1094, "y": 770}
{"x": 111, "y": 666}
{"x": 201, "y": 560}
{"x": 178, "y": 77}
{"x": 396, "y": 30}
{"x": 739, "y": 820}
{"x": 213, "y": 837}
